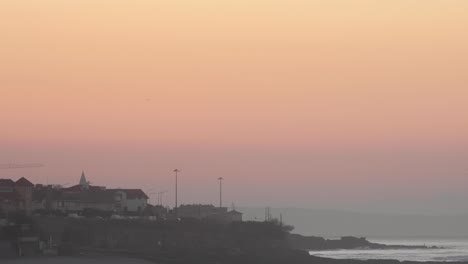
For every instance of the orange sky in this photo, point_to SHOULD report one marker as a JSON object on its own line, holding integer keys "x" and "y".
{"x": 297, "y": 75}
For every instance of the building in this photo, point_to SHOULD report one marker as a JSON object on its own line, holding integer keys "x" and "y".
{"x": 7, "y": 185}
{"x": 157, "y": 211}
{"x": 24, "y": 188}
{"x": 83, "y": 185}
{"x": 76, "y": 202}
{"x": 234, "y": 216}
{"x": 209, "y": 212}
{"x": 9, "y": 199}
{"x": 16, "y": 196}
{"x": 85, "y": 196}
{"x": 44, "y": 197}
{"x": 199, "y": 211}
{"x": 83, "y": 182}
{"x": 129, "y": 200}
{"x": 226, "y": 217}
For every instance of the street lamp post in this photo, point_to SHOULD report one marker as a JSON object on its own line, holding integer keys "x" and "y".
{"x": 176, "y": 174}
{"x": 220, "y": 191}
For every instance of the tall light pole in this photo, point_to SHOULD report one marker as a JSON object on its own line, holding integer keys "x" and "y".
{"x": 220, "y": 191}
{"x": 176, "y": 173}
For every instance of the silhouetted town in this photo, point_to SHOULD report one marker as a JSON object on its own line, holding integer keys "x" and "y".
{"x": 21, "y": 200}
{"x": 83, "y": 198}
{"x": 50, "y": 220}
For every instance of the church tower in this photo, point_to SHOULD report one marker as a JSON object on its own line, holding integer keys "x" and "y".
{"x": 83, "y": 182}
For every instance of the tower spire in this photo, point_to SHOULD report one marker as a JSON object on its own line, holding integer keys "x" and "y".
{"x": 83, "y": 181}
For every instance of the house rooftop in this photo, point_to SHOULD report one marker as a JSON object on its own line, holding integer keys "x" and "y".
{"x": 132, "y": 193}
{"x": 7, "y": 183}
{"x": 23, "y": 182}
{"x": 79, "y": 188}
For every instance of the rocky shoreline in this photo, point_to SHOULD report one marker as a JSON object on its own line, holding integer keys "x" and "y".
{"x": 320, "y": 244}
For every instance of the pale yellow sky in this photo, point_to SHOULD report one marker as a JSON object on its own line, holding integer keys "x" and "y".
{"x": 293, "y": 74}
{"x": 234, "y": 70}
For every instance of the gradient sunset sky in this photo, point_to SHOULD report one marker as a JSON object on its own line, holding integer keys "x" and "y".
{"x": 350, "y": 104}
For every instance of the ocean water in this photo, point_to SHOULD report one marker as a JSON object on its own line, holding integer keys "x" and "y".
{"x": 452, "y": 250}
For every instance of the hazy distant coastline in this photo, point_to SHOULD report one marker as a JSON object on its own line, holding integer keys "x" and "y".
{"x": 336, "y": 223}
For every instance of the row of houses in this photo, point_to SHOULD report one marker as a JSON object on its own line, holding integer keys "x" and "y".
{"x": 85, "y": 196}
{"x": 22, "y": 195}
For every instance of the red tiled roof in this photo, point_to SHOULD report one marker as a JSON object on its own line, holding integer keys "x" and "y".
{"x": 23, "y": 182}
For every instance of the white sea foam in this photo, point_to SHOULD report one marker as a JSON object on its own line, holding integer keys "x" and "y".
{"x": 452, "y": 250}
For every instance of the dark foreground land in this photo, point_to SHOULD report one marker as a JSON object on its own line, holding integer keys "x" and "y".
{"x": 77, "y": 260}
{"x": 182, "y": 242}
{"x": 119, "y": 258}
{"x": 223, "y": 257}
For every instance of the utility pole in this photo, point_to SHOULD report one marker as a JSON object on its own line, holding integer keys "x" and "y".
{"x": 176, "y": 174}
{"x": 267, "y": 214}
{"x": 220, "y": 191}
